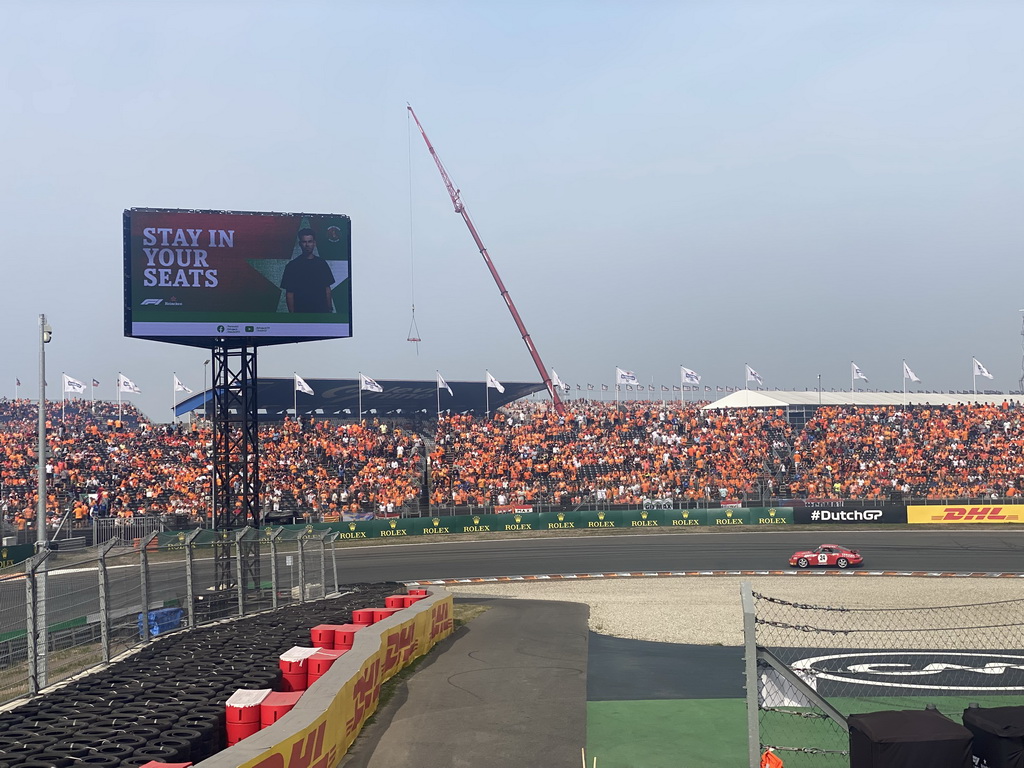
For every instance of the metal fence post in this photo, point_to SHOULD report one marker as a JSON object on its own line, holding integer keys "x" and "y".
{"x": 323, "y": 563}
{"x": 101, "y": 569}
{"x": 334, "y": 559}
{"x": 190, "y": 581}
{"x": 274, "y": 575}
{"x": 239, "y": 575}
{"x": 144, "y": 575}
{"x": 36, "y": 665}
{"x": 302, "y": 566}
{"x": 750, "y": 668}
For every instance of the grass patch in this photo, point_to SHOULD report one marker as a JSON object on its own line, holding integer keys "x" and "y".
{"x": 463, "y": 613}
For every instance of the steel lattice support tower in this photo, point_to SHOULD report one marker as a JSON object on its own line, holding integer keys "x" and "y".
{"x": 236, "y": 464}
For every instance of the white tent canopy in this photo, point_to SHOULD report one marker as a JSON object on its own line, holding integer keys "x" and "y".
{"x": 753, "y": 398}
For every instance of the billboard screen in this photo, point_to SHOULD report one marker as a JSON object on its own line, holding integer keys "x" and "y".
{"x": 209, "y": 278}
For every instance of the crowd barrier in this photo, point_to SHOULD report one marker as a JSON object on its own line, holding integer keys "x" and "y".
{"x": 328, "y": 716}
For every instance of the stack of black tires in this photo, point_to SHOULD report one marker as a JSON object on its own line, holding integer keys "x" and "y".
{"x": 166, "y": 702}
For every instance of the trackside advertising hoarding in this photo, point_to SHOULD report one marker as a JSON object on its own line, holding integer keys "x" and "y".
{"x": 850, "y": 513}
{"x": 204, "y": 278}
{"x": 1013, "y": 513}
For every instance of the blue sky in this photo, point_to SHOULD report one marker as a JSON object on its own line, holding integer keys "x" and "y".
{"x": 792, "y": 185}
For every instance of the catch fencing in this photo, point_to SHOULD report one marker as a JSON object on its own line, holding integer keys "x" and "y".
{"x": 808, "y": 667}
{"x": 63, "y": 613}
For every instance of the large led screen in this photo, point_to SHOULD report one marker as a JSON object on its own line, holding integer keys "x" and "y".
{"x": 209, "y": 278}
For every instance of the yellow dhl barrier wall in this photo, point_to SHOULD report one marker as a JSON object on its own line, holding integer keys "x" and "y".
{"x": 328, "y": 717}
{"x": 1013, "y": 513}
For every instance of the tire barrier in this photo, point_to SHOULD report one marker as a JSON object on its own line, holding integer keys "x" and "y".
{"x": 329, "y": 715}
{"x": 167, "y": 698}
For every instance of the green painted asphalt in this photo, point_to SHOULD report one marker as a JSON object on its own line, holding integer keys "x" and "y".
{"x": 680, "y": 733}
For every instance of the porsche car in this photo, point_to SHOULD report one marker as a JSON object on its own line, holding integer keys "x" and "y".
{"x": 827, "y": 555}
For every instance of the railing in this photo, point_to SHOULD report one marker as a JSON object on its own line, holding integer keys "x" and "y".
{"x": 85, "y": 608}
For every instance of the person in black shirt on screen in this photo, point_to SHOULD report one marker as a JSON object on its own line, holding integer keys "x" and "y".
{"x": 308, "y": 278}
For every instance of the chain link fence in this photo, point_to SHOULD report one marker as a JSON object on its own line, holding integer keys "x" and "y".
{"x": 63, "y": 613}
{"x": 811, "y": 666}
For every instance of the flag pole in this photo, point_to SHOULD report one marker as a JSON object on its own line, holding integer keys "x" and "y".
{"x": 295, "y": 396}
{"x": 437, "y": 386}
{"x": 904, "y": 382}
{"x": 851, "y": 377}
{"x": 359, "y": 384}
{"x": 64, "y": 396}
{"x": 174, "y": 397}
{"x": 119, "y": 374}
{"x": 974, "y": 369}
{"x": 487, "y": 397}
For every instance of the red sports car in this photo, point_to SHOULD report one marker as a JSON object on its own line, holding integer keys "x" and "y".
{"x": 827, "y": 554}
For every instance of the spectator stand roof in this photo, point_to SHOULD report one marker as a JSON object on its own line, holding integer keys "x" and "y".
{"x": 758, "y": 398}
{"x": 339, "y": 398}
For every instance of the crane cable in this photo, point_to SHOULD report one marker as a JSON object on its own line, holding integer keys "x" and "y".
{"x": 414, "y": 331}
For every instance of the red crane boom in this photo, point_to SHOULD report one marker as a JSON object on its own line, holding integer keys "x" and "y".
{"x": 460, "y": 209}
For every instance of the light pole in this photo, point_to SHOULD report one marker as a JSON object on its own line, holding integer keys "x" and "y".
{"x": 45, "y": 334}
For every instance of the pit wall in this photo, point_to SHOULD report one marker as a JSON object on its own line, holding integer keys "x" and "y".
{"x": 329, "y": 715}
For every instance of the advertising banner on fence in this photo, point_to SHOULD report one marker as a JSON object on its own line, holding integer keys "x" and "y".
{"x": 191, "y": 277}
{"x": 1011, "y": 513}
{"x": 849, "y": 512}
{"x": 328, "y": 737}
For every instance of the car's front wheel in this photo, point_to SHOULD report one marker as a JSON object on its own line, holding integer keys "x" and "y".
{"x": 802, "y": 562}
{"x": 842, "y": 562}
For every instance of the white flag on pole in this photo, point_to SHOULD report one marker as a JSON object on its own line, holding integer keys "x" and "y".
{"x": 555, "y": 381}
{"x": 74, "y": 386}
{"x": 625, "y": 377}
{"x": 981, "y": 370}
{"x": 302, "y": 386}
{"x": 124, "y": 384}
{"x": 909, "y": 374}
{"x": 179, "y": 387}
{"x": 753, "y": 375}
{"x": 365, "y": 382}
{"x": 442, "y": 384}
{"x": 691, "y": 376}
{"x": 493, "y": 383}
{"x": 856, "y": 372}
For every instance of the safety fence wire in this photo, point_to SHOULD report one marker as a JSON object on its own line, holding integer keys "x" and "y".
{"x": 124, "y": 577}
{"x": 13, "y": 634}
{"x": 72, "y": 614}
{"x": 876, "y": 659}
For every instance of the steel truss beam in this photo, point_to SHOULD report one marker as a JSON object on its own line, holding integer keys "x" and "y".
{"x": 236, "y": 465}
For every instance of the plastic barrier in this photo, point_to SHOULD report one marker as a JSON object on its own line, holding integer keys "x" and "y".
{"x": 319, "y": 663}
{"x": 394, "y": 601}
{"x": 379, "y": 614}
{"x": 276, "y": 705}
{"x": 293, "y": 668}
{"x": 363, "y": 616}
{"x": 321, "y": 727}
{"x": 160, "y": 621}
{"x": 242, "y": 713}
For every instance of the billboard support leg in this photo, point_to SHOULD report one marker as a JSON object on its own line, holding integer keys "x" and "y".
{"x": 236, "y": 476}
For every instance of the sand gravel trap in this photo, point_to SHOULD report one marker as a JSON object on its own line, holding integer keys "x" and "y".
{"x": 706, "y": 610}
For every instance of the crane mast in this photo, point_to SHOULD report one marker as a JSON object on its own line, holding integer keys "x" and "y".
{"x": 460, "y": 209}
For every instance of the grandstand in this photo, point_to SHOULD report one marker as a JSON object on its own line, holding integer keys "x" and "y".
{"x": 596, "y": 455}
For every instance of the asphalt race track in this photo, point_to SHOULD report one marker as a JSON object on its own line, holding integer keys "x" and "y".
{"x": 900, "y": 550}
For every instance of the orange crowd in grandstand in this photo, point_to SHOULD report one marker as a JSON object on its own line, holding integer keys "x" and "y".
{"x": 109, "y": 461}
